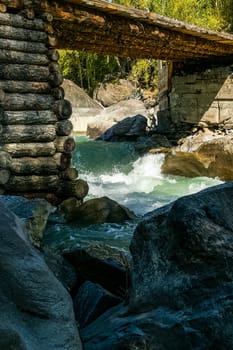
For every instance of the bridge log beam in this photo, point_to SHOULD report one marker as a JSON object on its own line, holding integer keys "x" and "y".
{"x": 104, "y": 28}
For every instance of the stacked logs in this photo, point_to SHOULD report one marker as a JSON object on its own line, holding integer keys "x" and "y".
{"x": 35, "y": 147}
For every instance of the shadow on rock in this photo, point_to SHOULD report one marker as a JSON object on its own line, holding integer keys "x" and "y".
{"x": 181, "y": 294}
{"x": 36, "y": 312}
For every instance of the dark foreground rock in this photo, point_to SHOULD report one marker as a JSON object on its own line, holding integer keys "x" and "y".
{"x": 36, "y": 312}
{"x": 92, "y": 301}
{"x": 101, "y": 264}
{"x": 33, "y": 212}
{"x": 181, "y": 297}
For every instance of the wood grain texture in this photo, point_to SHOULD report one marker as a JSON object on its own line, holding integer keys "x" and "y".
{"x": 30, "y": 149}
{"x": 27, "y": 133}
{"x": 107, "y": 28}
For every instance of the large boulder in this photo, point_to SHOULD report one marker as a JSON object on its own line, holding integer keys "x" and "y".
{"x": 181, "y": 297}
{"x": 101, "y": 264}
{"x": 95, "y": 211}
{"x": 128, "y": 129}
{"x": 36, "y": 312}
{"x": 210, "y": 155}
{"x": 182, "y": 258}
{"x": 92, "y": 301}
{"x": 111, "y": 93}
{"x": 114, "y": 114}
{"x": 34, "y": 213}
{"x": 84, "y": 108}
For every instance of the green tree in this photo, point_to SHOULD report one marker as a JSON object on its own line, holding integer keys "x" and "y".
{"x": 87, "y": 70}
{"x": 205, "y": 13}
{"x": 226, "y": 9}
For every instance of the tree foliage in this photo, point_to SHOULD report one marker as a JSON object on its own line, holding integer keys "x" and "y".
{"x": 205, "y": 13}
{"x": 87, "y": 70}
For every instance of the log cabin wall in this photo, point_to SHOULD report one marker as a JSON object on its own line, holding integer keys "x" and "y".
{"x": 35, "y": 146}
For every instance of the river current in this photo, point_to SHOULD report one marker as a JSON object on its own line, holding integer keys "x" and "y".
{"x": 117, "y": 171}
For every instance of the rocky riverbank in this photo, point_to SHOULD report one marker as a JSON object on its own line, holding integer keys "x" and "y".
{"x": 128, "y": 116}
{"x": 175, "y": 292}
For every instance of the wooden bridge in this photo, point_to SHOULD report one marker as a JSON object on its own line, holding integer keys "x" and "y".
{"x": 106, "y": 28}
{"x": 36, "y": 147}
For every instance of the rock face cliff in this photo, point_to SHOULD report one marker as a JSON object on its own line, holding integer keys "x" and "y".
{"x": 182, "y": 280}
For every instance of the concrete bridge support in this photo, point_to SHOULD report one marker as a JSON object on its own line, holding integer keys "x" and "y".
{"x": 195, "y": 94}
{"x": 35, "y": 142}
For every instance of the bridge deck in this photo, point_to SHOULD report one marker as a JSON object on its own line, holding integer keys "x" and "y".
{"x": 106, "y": 28}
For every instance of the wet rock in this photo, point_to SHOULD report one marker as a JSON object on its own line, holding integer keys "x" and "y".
{"x": 182, "y": 257}
{"x": 62, "y": 269}
{"x": 181, "y": 296}
{"x": 118, "y": 329}
{"x": 36, "y": 312}
{"x": 185, "y": 164}
{"x": 155, "y": 143}
{"x": 212, "y": 158}
{"x": 96, "y": 210}
{"x": 91, "y": 301}
{"x": 68, "y": 207}
{"x": 101, "y": 264}
{"x": 34, "y": 212}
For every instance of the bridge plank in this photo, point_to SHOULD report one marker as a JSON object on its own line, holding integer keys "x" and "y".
{"x": 106, "y": 28}
{"x": 150, "y": 17}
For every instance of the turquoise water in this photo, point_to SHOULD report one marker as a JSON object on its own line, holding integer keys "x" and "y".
{"x": 116, "y": 171}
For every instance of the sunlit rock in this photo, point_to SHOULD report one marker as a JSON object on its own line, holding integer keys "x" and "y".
{"x": 111, "y": 93}
{"x": 114, "y": 114}
{"x": 212, "y": 158}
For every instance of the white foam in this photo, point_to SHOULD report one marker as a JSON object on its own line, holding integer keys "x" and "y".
{"x": 143, "y": 177}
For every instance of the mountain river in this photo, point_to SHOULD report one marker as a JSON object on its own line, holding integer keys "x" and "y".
{"x": 116, "y": 171}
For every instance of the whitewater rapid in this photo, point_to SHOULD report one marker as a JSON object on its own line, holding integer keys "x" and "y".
{"x": 141, "y": 186}
{"x": 116, "y": 171}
